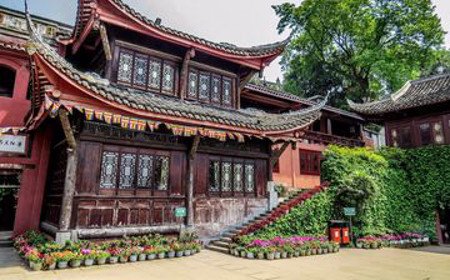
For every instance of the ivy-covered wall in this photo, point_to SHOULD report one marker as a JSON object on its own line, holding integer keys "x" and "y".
{"x": 393, "y": 190}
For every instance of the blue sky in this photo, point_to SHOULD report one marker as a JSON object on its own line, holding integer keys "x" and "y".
{"x": 253, "y": 23}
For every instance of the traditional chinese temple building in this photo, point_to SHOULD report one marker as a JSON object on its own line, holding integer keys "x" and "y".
{"x": 156, "y": 131}
{"x": 417, "y": 115}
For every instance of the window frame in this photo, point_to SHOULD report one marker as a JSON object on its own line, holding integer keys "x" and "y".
{"x": 12, "y": 71}
{"x": 149, "y": 57}
{"x": 232, "y": 193}
{"x": 312, "y": 160}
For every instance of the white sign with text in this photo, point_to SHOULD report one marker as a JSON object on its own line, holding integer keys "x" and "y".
{"x": 13, "y": 144}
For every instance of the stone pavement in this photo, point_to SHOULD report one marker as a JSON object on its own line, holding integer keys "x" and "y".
{"x": 348, "y": 264}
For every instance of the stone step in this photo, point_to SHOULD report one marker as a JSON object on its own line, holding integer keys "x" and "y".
{"x": 6, "y": 243}
{"x": 217, "y": 249}
{"x": 226, "y": 239}
{"x": 221, "y": 244}
{"x": 229, "y": 234}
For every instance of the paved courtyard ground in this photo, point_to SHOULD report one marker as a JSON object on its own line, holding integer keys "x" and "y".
{"x": 348, "y": 264}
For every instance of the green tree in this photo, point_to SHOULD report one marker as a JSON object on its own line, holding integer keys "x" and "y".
{"x": 358, "y": 49}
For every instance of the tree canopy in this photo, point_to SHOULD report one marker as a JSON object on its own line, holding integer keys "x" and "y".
{"x": 358, "y": 49}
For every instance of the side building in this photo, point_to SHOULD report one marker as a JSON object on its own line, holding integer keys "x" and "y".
{"x": 298, "y": 165}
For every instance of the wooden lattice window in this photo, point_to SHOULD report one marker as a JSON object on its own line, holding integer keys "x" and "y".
{"x": 130, "y": 170}
{"x": 310, "y": 162}
{"x": 146, "y": 72}
{"x": 231, "y": 176}
{"x": 209, "y": 87}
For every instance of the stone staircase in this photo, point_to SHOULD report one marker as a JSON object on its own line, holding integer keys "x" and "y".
{"x": 5, "y": 239}
{"x": 222, "y": 243}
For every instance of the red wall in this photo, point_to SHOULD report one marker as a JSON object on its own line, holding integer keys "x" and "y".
{"x": 289, "y": 163}
{"x": 34, "y": 163}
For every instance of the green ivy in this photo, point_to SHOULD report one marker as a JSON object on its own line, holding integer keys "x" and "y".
{"x": 393, "y": 190}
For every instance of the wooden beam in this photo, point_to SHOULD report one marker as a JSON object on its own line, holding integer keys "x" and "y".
{"x": 68, "y": 132}
{"x": 71, "y": 170}
{"x": 190, "y": 181}
{"x": 243, "y": 81}
{"x": 105, "y": 42}
{"x": 184, "y": 78}
{"x": 277, "y": 154}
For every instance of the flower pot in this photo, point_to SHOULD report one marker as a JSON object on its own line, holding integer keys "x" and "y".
{"x": 297, "y": 254}
{"x": 142, "y": 257}
{"x": 232, "y": 251}
{"x": 133, "y": 258}
{"x": 62, "y": 265}
{"x": 35, "y": 266}
{"x": 113, "y": 260}
{"x": 179, "y": 254}
{"x": 302, "y": 253}
{"x": 308, "y": 252}
{"x": 171, "y": 254}
{"x": 325, "y": 251}
{"x": 374, "y": 246}
{"x": 314, "y": 252}
{"x": 270, "y": 256}
{"x": 52, "y": 267}
{"x": 260, "y": 256}
{"x": 187, "y": 252}
{"x": 101, "y": 261}
{"x": 242, "y": 254}
{"x": 75, "y": 263}
{"x": 319, "y": 251}
{"x": 151, "y": 257}
{"x": 277, "y": 255}
{"x": 359, "y": 245}
{"x": 284, "y": 255}
{"x": 88, "y": 262}
{"x": 161, "y": 255}
{"x": 123, "y": 259}
{"x": 250, "y": 256}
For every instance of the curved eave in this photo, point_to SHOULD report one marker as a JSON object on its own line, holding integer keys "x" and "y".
{"x": 122, "y": 18}
{"x": 50, "y": 70}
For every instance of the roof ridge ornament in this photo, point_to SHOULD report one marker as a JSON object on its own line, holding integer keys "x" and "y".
{"x": 402, "y": 91}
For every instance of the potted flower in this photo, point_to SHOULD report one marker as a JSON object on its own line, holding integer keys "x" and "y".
{"x": 134, "y": 253}
{"x": 35, "y": 260}
{"x": 49, "y": 262}
{"x": 161, "y": 251}
{"x": 124, "y": 255}
{"x": 150, "y": 251}
{"x": 114, "y": 254}
{"x": 179, "y": 249}
{"x": 270, "y": 252}
{"x": 142, "y": 256}
{"x": 101, "y": 257}
{"x": 260, "y": 252}
{"x": 324, "y": 247}
{"x": 250, "y": 252}
{"x": 88, "y": 256}
{"x": 63, "y": 258}
{"x": 188, "y": 249}
{"x": 277, "y": 253}
{"x": 76, "y": 259}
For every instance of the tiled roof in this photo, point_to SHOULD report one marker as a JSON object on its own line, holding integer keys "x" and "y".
{"x": 418, "y": 93}
{"x": 174, "y": 107}
{"x": 295, "y": 98}
{"x": 86, "y": 7}
{"x": 13, "y": 24}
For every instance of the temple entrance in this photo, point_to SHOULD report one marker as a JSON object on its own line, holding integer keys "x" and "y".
{"x": 444, "y": 217}
{"x": 9, "y": 187}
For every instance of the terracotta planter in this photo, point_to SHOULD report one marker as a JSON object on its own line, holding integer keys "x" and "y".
{"x": 101, "y": 261}
{"x": 62, "y": 265}
{"x": 88, "y": 262}
{"x": 142, "y": 257}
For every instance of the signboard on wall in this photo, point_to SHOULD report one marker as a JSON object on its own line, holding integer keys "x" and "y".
{"x": 15, "y": 144}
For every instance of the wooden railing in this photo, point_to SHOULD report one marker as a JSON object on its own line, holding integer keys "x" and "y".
{"x": 326, "y": 139}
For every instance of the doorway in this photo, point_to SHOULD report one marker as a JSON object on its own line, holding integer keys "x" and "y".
{"x": 9, "y": 187}
{"x": 444, "y": 217}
